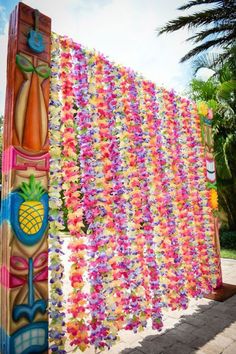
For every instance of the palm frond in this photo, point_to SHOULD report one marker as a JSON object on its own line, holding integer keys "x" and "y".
{"x": 224, "y": 64}
{"x": 203, "y": 90}
{"x": 222, "y": 162}
{"x": 206, "y": 60}
{"x": 209, "y": 44}
{"x": 216, "y": 31}
{"x": 199, "y": 2}
{"x": 199, "y": 19}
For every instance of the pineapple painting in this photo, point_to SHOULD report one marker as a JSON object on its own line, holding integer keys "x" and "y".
{"x": 30, "y": 211}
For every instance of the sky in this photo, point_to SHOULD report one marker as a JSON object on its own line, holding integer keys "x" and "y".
{"x": 124, "y": 30}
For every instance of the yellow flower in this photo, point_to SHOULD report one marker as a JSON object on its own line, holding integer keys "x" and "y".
{"x": 203, "y": 108}
{"x": 213, "y": 199}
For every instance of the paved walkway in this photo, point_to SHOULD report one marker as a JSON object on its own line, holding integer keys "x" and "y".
{"x": 206, "y": 327}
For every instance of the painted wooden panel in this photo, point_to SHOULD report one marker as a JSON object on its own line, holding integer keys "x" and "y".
{"x": 24, "y": 215}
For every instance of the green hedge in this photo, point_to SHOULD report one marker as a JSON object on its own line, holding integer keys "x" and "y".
{"x": 228, "y": 239}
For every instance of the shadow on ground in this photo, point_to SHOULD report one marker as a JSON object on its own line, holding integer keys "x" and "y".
{"x": 192, "y": 331}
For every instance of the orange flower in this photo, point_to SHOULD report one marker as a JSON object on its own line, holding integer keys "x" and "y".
{"x": 213, "y": 199}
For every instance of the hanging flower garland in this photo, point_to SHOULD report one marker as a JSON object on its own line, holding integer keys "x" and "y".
{"x": 108, "y": 180}
{"x": 145, "y": 218}
{"x": 190, "y": 256}
{"x": 76, "y": 326}
{"x": 123, "y": 208}
{"x": 56, "y": 224}
{"x": 153, "y": 200}
{"x": 134, "y": 183}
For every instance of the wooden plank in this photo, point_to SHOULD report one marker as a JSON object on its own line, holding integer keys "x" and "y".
{"x": 24, "y": 248}
{"x": 222, "y": 293}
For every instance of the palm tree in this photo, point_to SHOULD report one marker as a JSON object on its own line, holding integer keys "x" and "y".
{"x": 216, "y": 25}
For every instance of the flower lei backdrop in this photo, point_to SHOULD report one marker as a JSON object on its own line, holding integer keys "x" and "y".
{"x": 129, "y": 159}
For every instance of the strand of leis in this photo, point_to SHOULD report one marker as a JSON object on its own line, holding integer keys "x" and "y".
{"x": 76, "y": 326}
{"x": 179, "y": 194}
{"x": 167, "y": 207}
{"x": 116, "y": 214}
{"x": 152, "y": 145}
{"x": 156, "y": 120}
{"x": 87, "y": 166}
{"x": 191, "y": 177}
{"x": 56, "y": 224}
{"x": 150, "y": 271}
{"x": 166, "y": 204}
{"x": 153, "y": 148}
{"x": 196, "y": 218}
{"x": 177, "y": 286}
{"x": 101, "y": 236}
{"x": 190, "y": 245}
{"x": 182, "y": 175}
{"x": 124, "y": 270}
{"x": 149, "y": 109}
{"x": 136, "y": 299}
{"x": 204, "y": 219}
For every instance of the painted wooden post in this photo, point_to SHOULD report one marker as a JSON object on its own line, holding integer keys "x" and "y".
{"x": 24, "y": 218}
{"x": 211, "y": 179}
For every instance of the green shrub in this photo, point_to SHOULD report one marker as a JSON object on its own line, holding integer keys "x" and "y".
{"x": 228, "y": 239}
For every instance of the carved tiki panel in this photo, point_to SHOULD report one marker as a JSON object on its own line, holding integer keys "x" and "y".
{"x": 24, "y": 249}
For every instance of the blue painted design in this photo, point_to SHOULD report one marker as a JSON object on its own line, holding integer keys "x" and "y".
{"x": 35, "y": 39}
{"x": 24, "y": 238}
{"x": 35, "y": 42}
{"x": 30, "y": 283}
{"x": 4, "y": 342}
{"x": 29, "y": 310}
{"x": 30, "y": 339}
{"x": 207, "y": 121}
{"x": 5, "y": 209}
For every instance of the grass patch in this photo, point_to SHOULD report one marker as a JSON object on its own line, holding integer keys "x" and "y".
{"x": 228, "y": 253}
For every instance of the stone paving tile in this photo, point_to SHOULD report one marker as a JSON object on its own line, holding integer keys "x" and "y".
{"x": 206, "y": 333}
{"x": 190, "y": 338}
{"x": 230, "y": 332}
{"x": 148, "y": 347}
{"x": 123, "y": 348}
{"x": 173, "y": 314}
{"x": 231, "y": 301}
{"x": 195, "y": 320}
{"x": 129, "y": 337}
{"x": 179, "y": 348}
{"x": 231, "y": 349}
{"x": 211, "y": 348}
{"x": 222, "y": 341}
{"x": 131, "y": 351}
{"x": 149, "y": 333}
{"x": 186, "y": 327}
{"x": 198, "y": 342}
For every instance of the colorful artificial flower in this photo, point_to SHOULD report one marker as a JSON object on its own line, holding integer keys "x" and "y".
{"x": 213, "y": 199}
